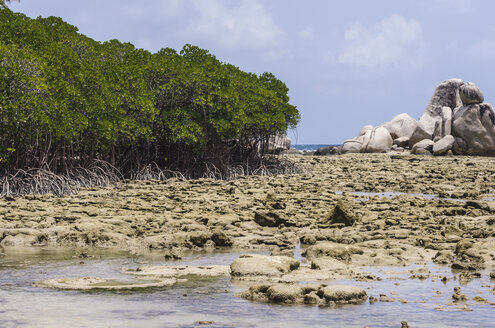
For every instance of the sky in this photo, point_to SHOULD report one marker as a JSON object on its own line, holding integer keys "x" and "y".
{"x": 347, "y": 63}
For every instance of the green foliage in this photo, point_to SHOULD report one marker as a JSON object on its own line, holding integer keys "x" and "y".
{"x": 65, "y": 98}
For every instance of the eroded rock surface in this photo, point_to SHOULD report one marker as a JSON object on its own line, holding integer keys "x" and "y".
{"x": 96, "y": 283}
{"x": 169, "y": 271}
{"x": 176, "y": 216}
{"x": 314, "y": 294}
{"x": 262, "y": 265}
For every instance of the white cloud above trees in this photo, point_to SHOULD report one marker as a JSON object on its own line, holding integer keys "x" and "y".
{"x": 240, "y": 24}
{"x": 393, "y": 42}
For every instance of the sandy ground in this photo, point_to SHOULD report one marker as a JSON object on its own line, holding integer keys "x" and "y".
{"x": 436, "y": 209}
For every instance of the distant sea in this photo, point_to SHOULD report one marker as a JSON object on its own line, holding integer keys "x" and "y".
{"x": 311, "y": 147}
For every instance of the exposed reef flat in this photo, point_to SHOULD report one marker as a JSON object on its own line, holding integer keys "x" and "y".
{"x": 436, "y": 208}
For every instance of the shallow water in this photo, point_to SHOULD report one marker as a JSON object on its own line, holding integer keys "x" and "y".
{"x": 213, "y": 299}
{"x": 389, "y": 194}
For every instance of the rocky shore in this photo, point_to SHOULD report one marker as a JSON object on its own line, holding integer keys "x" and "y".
{"x": 456, "y": 121}
{"x": 346, "y": 212}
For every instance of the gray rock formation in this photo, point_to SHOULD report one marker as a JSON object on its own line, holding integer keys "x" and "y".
{"x": 474, "y": 130}
{"x": 444, "y": 126}
{"x": 401, "y": 125}
{"x": 419, "y": 134}
{"x": 442, "y": 146}
{"x": 426, "y": 144}
{"x": 471, "y": 94}
{"x": 352, "y": 145}
{"x": 330, "y": 150}
{"x": 455, "y": 121}
{"x": 377, "y": 140}
{"x": 422, "y": 151}
{"x": 446, "y": 95}
{"x": 436, "y": 120}
{"x": 401, "y": 142}
{"x": 365, "y": 129}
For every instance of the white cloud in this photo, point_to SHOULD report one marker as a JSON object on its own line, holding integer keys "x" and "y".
{"x": 393, "y": 42}
{"x": 306, "y": 33}
{"x": 242, "y": 24}
{"x": 238, "y": 25}
{"x": 483, "y": 50}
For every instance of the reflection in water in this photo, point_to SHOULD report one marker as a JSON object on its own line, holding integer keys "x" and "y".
{"x": 213, "y": 299}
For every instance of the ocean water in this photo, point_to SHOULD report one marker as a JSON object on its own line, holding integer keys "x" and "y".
{"x": 312, "y": 146}
{"x": 428, "y": 302}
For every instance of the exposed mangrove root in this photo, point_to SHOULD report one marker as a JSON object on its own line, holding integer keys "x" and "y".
{"x": 101, "y": 173}
{"x": 43, "y": 181}
{"x": 153, "y": 172}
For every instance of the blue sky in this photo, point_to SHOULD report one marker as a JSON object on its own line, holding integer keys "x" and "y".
{"x": 347, "y": 63}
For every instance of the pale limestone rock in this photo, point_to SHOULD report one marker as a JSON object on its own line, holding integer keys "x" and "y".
{"x": 262, "y": 265}
{"x": 96, "y": 283}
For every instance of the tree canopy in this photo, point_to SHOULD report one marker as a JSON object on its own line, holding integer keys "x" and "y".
{"x": 66, "y": 99}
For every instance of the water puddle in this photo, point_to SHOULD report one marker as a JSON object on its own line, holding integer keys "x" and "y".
{"x": 390, "y": 194}
{"x": 212, "y": 300}
{"x": 298, "y": 252}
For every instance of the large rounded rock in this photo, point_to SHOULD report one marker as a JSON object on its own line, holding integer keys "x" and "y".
{"x": 442, "y": 146}
{"x": 352, "y": 146}
{"x": 426, "y": 144}
{"x": 262, "y": 265}
{"x": 377, "y": 140}
{"x": 437, "y": 122}
{"x": 471, "y": 94}
{"x": 419, "y": 134}
{"x": 401, "y": 125}
{"x": 474, "y": 130}
{"x": 446, "y": 95}
{"x": 365, "y": 129}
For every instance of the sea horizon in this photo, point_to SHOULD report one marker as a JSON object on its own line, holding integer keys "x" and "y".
{"x": 312, "y": 146}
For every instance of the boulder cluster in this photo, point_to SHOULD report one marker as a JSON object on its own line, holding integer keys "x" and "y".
{"x": 456, "y": 121}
